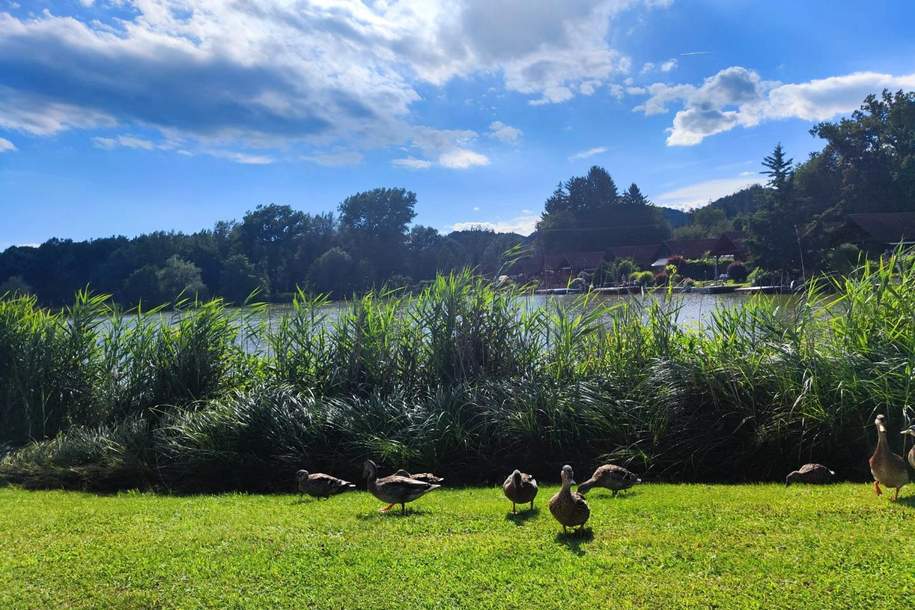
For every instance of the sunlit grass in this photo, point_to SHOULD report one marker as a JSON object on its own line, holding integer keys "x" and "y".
{"x": 658, "y": 546}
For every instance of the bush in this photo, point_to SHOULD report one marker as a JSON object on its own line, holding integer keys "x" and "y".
{"x": 462, "y": 378}
{"x": 737, "y": 271}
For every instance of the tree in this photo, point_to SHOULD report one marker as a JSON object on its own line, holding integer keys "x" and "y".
{"x": 239, "y": 279}
{"x": 180, "y": 277}
{"x": 142, "y": 286}
{"x": 16, "y": 286}
{"x": 374, "y": 226}
{"x": 634, "y": 196}
{"x": 778, "y": 169}
{"x": 335, "y": 273}
{"x": 270, "y": 236}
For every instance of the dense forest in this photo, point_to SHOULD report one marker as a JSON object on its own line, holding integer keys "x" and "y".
{"x": 796, "y": 225}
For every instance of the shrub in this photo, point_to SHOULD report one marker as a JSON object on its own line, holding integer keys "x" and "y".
{"x": 737, "y": 271}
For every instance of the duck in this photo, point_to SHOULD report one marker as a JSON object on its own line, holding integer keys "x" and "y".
{"x": 425, "y": 477}
{"x": 394, "y": 489}
{"x": 911, "y": 432}
{"x": 520, "y": 488}
{"x": 613, "y": 477}
{"x": 812, "y": 474}
{"x": 320, "y": 485}
{"x": 887, "y": 467}
{"x": 567, "y": 506}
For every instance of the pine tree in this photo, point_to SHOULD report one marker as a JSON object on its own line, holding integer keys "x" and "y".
{"x": 634, "y": 196}
{"x": 778, "y": 169}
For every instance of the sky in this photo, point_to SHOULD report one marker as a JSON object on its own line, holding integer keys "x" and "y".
{"x": 119, "y": 117}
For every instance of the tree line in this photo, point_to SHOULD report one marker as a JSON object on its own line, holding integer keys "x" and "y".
{"x": 274, "y": 249}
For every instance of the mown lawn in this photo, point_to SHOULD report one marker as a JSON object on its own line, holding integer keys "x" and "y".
{"x": 660, "y": 546}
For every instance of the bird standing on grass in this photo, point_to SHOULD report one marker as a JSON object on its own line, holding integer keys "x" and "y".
{"x": 394, "y": 489}
{"x": 567, "y": 506}
{"x": 613, "y": 477}
{"x": 520, "y": 488}
{"x": 320, "y": 485}
{"x": 911, "y": 432}
{"x": 812, "y": 474}
{"x": 887, "y": 467}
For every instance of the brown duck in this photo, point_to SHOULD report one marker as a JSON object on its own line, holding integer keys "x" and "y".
{"x": 613, "y": 477}
{"x": 425, "y": 477}
{"x": 320, "y": 485}
{"x": 567, "y": 506}
{"x": 911, "y": 432}
{"x": 520, "y": 488}
{"x": 887, "y": 467}
{"x": 394, "y": 489}
{"x": 812, "y": 474}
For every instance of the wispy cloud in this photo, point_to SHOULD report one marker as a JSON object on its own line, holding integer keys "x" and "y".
{"x": 700, "y": 193}
{"x": 461, "y": 158}
{"x": 504, "y": 133}
{"x": 411, "y": 163}
{"x": 584, "y": 154}
{"x": 6, "y": 145}
{"x": 335, "y": 159}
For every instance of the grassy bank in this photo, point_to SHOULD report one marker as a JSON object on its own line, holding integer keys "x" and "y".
{"x": 661, "y": 546}
{"x": 462, "y": 379}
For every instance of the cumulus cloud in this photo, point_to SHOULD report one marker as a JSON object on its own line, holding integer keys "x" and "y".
{"x": 6, "y": 145}
{"x": 461, "y": 158}
{"x": 504, "y": 133}
{"x": 584, "y": 154}
{"x": 701, "y": 193}
{"x": 273, "y": 74}
{"x": 523, "y": 224}
{"x": 738, "y": 96}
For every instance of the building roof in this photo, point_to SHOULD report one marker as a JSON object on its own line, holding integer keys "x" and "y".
{"x": 886, "y": 227}
{"x": 643, "y": 254}
{"x": 574, "y": 260}
{"x": 690, "y": 248}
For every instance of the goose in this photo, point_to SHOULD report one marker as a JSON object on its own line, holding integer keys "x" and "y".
{"x": 425, "y": 477}
{"x": 887, "y": 467}
{"x": 320, "y": 485}
{"x": 813, "y": 474}
{"x": 567, "y": 506}
{"x": 911, "y": 432}
{"x": 520, "y": 488}
{"x": 613, "y": 477}
{"x": 394, "y": 489}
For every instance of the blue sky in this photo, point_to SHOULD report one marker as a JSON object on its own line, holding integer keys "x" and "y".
{"x": 126, "y": 116}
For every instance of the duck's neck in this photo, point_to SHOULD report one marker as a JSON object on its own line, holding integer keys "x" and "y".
{"x": 566, "y": 487}
{"x": 882, "y": 445}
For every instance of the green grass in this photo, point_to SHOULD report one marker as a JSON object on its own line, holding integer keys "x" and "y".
{"x": 660, "y": 546}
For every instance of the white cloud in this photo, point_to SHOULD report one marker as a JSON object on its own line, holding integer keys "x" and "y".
{"x": 584, "y": 154}
{"x": 412, "y": 163}
{"x": 6, "y": 145}
{"x": 701, "y": 193}
{"x": 669, "y": 65}
{"x": 335, "y": 159}
{"x": 524, "y": 224}
{"x": 124, "y": 141}
{"x": 504, "y": 133}
{"x": 461, "y": 158}
{"x": 737, "y": 96}
{"x": 664, "y": 66}
{"x": 240, "y": 157}
{"x": 276, "y": 73}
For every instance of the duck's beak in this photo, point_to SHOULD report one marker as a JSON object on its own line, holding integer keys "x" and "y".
{"x": 573, "y": 482}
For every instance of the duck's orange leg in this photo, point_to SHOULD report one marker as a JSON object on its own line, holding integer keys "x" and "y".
{"x": 386, "y": 508}
{"x": 896, "y": 497}
{"x": 877, "y": 488}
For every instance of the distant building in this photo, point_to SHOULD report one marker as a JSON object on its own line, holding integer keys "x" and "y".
{"x": 880, "y": 230}
{"x": 560, "y": 269}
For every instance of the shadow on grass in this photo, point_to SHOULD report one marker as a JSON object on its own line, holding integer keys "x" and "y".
{"x": 574, "y": 540}
{"x": 522, "y": 515}
{"x": 606, "y": 494}
{"x": 394, "y": 513}
{"x": 907, "y": 501}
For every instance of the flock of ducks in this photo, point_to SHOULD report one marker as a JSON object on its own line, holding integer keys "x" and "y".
{"x": 569, "y": 507}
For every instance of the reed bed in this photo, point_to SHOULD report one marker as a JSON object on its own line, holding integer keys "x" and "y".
{"x": 462, "y": 378}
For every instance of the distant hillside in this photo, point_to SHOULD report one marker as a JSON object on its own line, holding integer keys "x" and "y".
{"x": 675, "y": 218}
{"x": 741, "y": 203}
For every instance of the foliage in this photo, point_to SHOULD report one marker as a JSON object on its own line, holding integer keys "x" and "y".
{"x": 737, "y": 271}
{"x": 587, "y": 213}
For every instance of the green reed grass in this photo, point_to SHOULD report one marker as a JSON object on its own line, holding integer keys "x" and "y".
{"x": 463, "y": 377}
